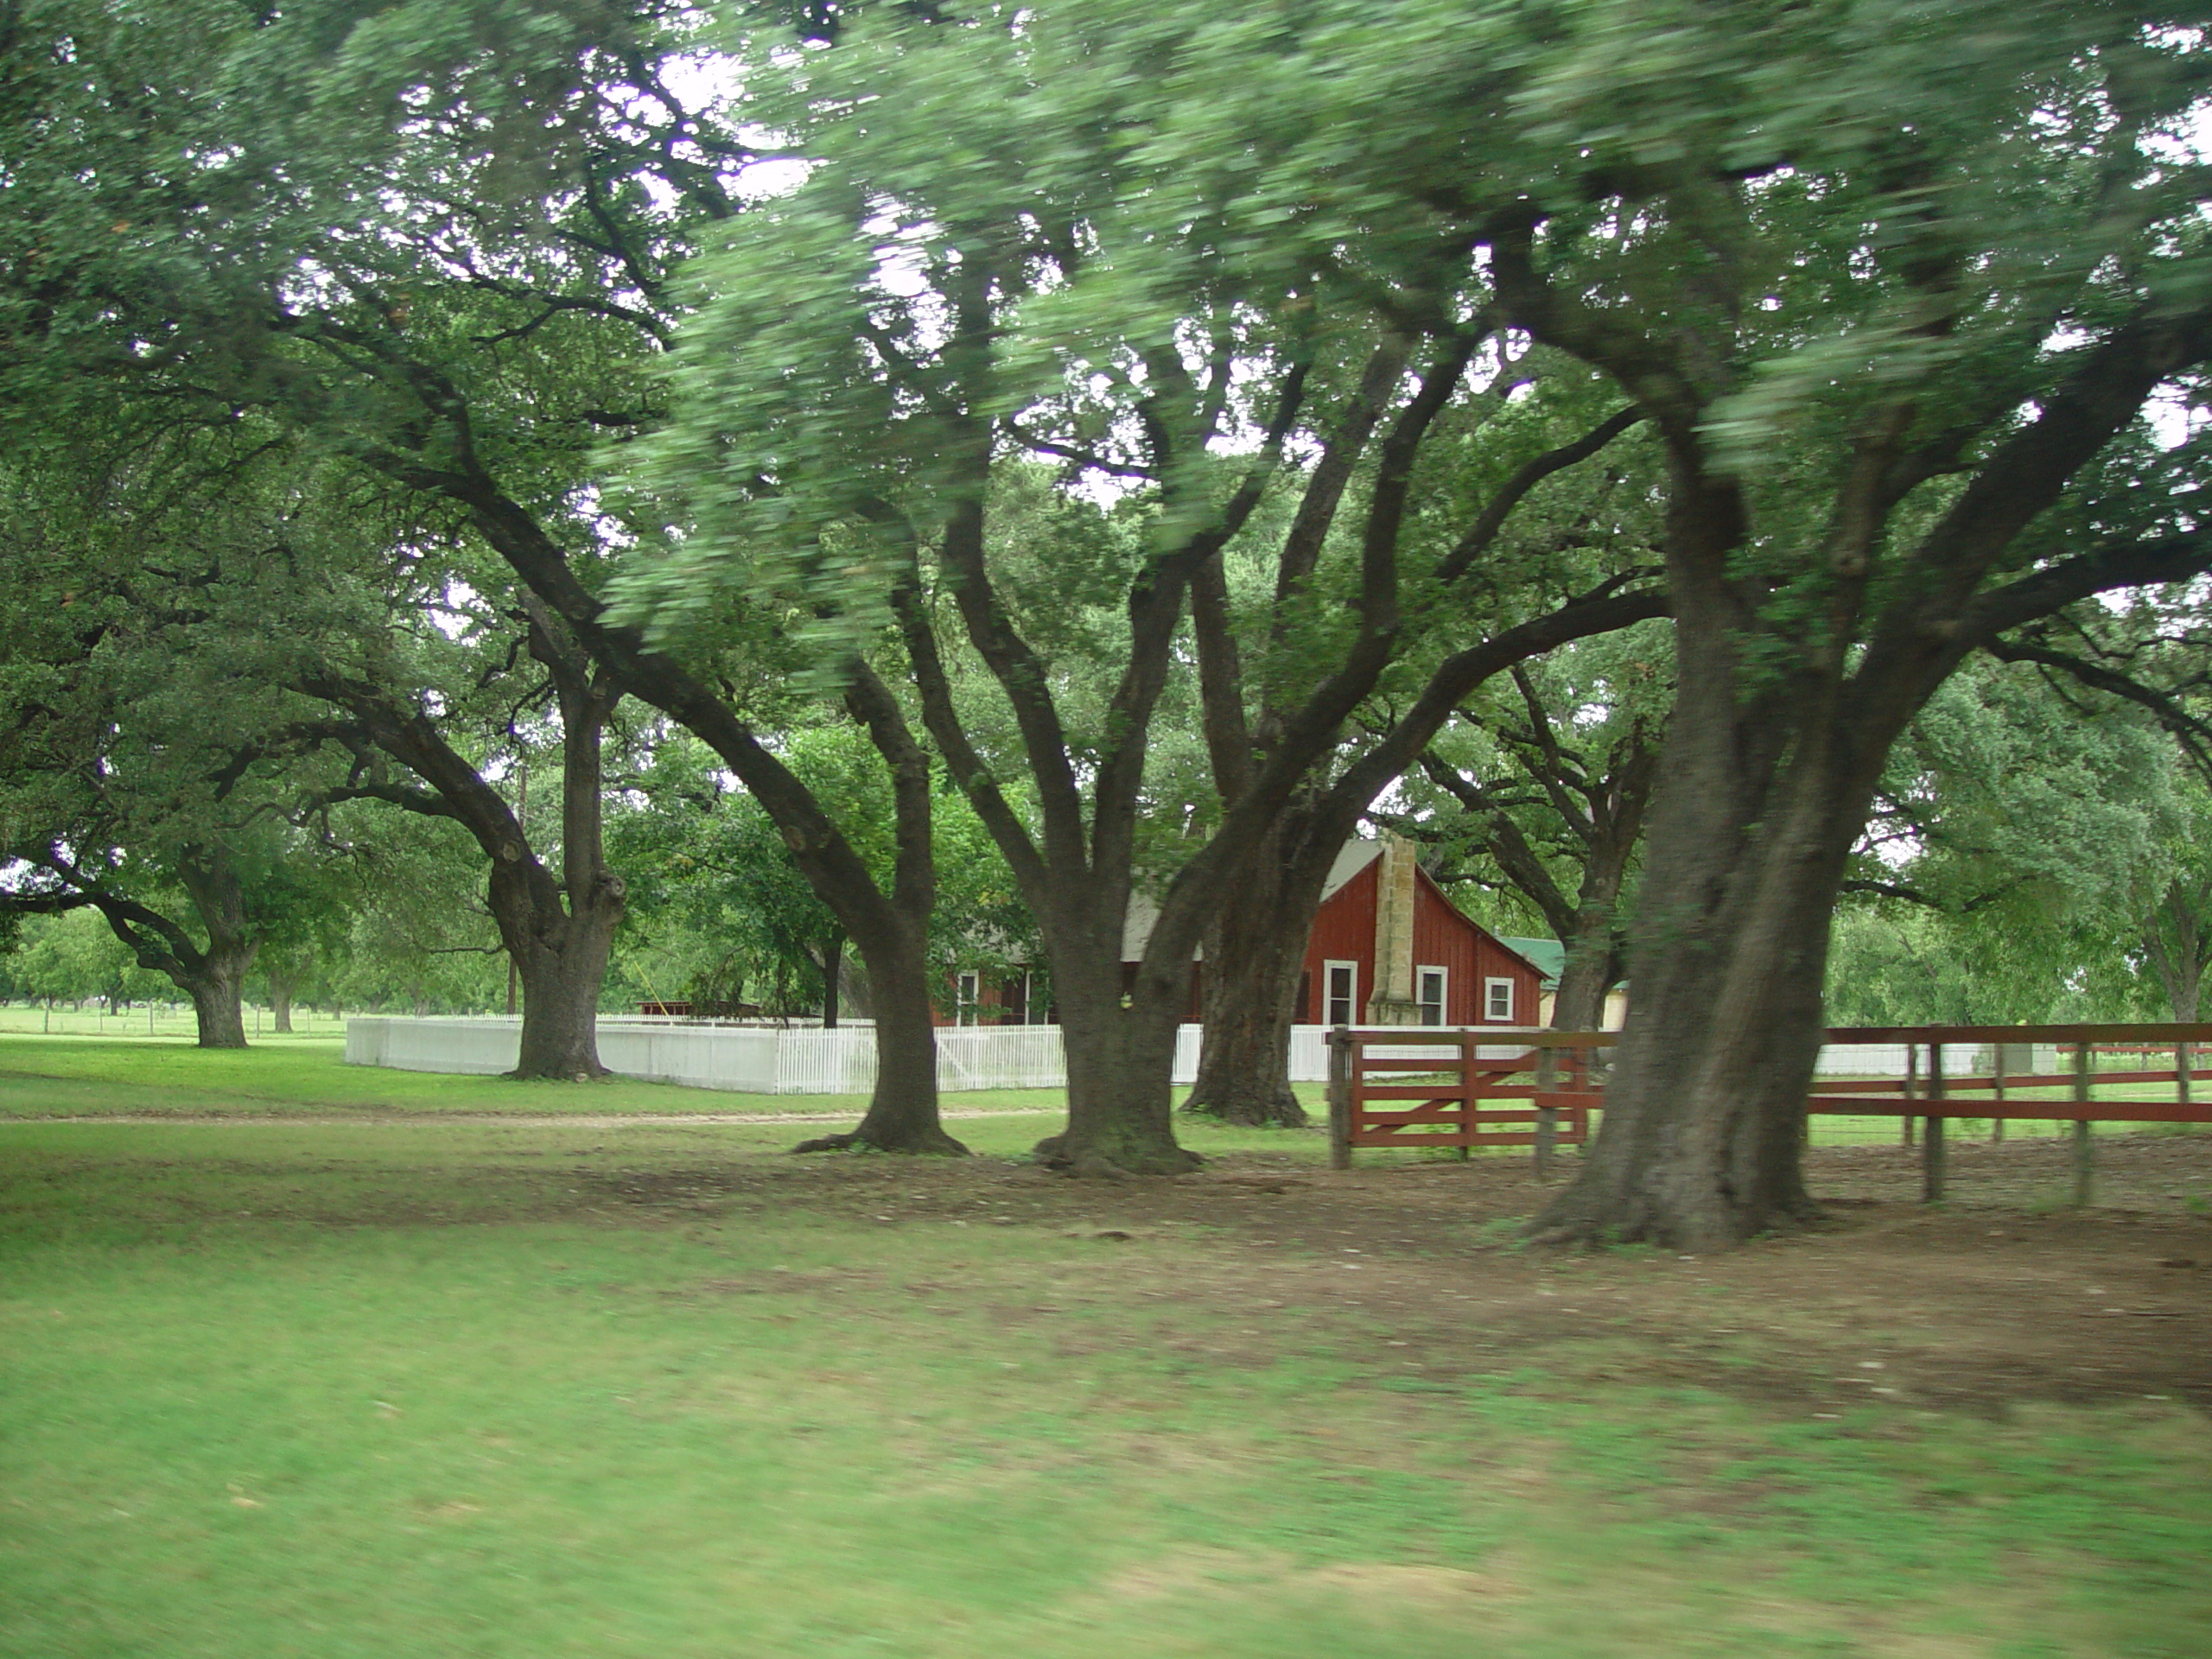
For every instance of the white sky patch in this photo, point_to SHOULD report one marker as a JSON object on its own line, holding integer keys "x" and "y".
{"x": 460, "y": 612}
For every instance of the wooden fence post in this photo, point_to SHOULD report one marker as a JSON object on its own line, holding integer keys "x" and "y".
{"x": 1340, "y": 1053}
{"x": 1931, "y": 1141}
{"x": 1997, "y": 1078}
{"x": 1547, "y": 1116}
{"x": 2084, "y": 1157}
{"x": 1911, "y": 1088}
{"x": 2183, "y": 1062}
{"x": 1466, "y": 1092}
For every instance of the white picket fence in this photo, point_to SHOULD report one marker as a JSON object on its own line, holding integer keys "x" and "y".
{"x": 771, "y": 1060}
{"x": 746, "y": 1059}
{"x": 1960, "y": 1059}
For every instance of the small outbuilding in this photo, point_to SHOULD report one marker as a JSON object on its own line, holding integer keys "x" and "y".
{"x": 1389, "y": 948}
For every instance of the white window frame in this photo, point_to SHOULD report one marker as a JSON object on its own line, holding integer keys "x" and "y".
{"x": 1032, "y": 1015}
{"x": 1329, "y": 993}
{"x": 967, "y": 997}
{"x": 1492, "y": 987}
{"x": 1441, "y": 978}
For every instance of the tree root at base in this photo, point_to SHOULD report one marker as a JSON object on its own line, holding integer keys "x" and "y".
{"x": 1583, "y": 1230}
{"x": 942, "y": 1145}
{"x": 1089, "y": 1164}
{"x": 1286, "y": 1114}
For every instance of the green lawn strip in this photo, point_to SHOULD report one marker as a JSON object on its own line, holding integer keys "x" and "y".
{"x": 76, "y": 1076}
{"x": 364, "y": 1390}
{"x": 172, "y": 1023}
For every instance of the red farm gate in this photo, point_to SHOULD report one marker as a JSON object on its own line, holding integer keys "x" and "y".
{"x": 1485, "y": 1088}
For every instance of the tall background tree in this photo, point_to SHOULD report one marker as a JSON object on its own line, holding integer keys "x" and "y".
{"x": 878, "y": 351}
{"x": 435, "y": 240}
{"x": 1896, "y": 291}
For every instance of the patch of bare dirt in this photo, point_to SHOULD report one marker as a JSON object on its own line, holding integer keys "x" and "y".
{"x": 1996, "y": 1298}
{"x": 1395, "y": 1586}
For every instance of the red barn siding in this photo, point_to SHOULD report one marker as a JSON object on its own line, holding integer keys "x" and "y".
{"x": 1444, "y": 938}
{"x": 1344, "y": 931}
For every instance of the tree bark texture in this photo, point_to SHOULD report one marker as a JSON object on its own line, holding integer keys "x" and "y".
{"x": 2179, "y": 947}
{"x": 887, "y": 931}
{"x": 902, "y": 1110}
{"x": 1255, "y": 957}
{"x": 561, "y": 956}
{"x": 1786, "y": 710}
{"x": 1705, "y": 1107}
{"x": 281, "y": 982}
{"x": 1592, "y": 970}
{"x": 1247, "y": 1005}
{"x": 217, "y": 1009}
{"x": 1119, "y": 1061}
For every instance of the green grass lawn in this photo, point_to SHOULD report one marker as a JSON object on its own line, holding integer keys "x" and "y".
{"x": 563, "y": 1391}
{"x": 88, "y": 1077}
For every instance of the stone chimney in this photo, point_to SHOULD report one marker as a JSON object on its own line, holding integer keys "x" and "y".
{"x": 1392, "y": 1002}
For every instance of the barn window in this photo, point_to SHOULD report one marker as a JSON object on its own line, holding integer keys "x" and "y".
{"x": 967, "y": 998}
{"x": 1034, "y": 1003}
{"x": 1428, "y": 991}
{"x": 1497, "y": 999}
{"x": 1343, "y": 981}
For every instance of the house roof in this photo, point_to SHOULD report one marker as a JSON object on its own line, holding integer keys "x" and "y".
{"x": 1543, "y": 957}
{"x": 1546, "y": 957}
{"x": 1144, "y": 909}
{"x": 1351, "y": 858}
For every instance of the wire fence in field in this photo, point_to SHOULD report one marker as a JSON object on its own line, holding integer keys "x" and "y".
{"x": 160, "y": 1019}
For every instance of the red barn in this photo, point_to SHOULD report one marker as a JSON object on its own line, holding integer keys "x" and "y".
{"x": 1389, "y": 948}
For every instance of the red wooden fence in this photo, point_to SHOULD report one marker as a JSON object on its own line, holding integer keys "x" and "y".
{"x": 1468, "y": 1088}
{"x": 1400, "y": 1086}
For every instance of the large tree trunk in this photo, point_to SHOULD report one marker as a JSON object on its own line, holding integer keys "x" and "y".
{"x": 213, "y": 978}
{"x": 559, "y": 936}
{"x": 1254, "y": 955}
{"x": 214, "y": 989}
{"x": 1704, "y": 1119}
{"x": 902, "y": 1112}
{"x": 562, "y": 961}
{"x": 1249, "y": 1004}
{"x": 1121, "y": 1061}
{"x": 891, "y": 940}
{"x": 1593, "y": 969}
{"x": 281, "y": 984}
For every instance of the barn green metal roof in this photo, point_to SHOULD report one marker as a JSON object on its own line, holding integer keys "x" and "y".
{"x": 1546, "y": 957}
